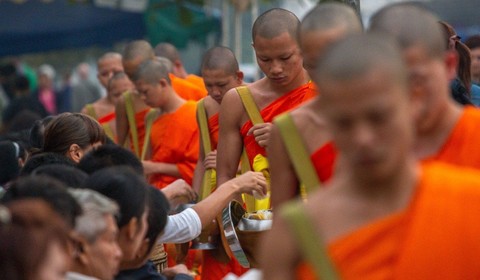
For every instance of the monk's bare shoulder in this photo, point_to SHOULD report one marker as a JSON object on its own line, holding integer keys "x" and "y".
{"x": 211, "y": 106}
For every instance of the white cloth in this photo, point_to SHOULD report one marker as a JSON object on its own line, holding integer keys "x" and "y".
{"x": 77, "y": 276}
{"x": 181, "y": 227}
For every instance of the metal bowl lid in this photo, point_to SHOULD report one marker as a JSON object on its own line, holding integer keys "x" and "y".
{"x": 231, "y": 216}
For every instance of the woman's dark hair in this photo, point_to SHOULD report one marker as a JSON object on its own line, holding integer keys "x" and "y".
{"x": 42, "y": 159}
{"x": 27, "y": 236}
{"x": 37, "y": 132}
{"x": 125, "y": 187}
{"x": 10, "y": 153}
{"x": 158, "y": 208}
{"x": 107, "y": 156}
{"x": 47, "y": 189}
{"x": 71, "y": 176}
{"x": 72, "y": 128}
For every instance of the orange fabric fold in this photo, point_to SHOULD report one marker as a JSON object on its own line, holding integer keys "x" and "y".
{"x": 323, "y": 160}
{"x": 435, "y": 237}
{"x": 283, "y": 104}
{"x": 107, "y": 118}
{"x": 213, "y": 129}
{"x": 461, "y": 147}
{"x": 174, "y": 139}
{"x": 198, "y": 81}
{"x": 186, "y": 89}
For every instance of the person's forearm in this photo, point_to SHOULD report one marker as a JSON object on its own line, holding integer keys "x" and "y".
{"x": 166, "y": 169}
{"x": 211, "y": 206}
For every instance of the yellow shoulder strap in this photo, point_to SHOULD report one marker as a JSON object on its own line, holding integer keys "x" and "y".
{"x": 207, "y": 186}
{"x": 249, "y": 104}
{"x": 91, "y": 111}
{"x": 253, "y": 113}
{"x": 132, "y": 124}
{"x": 298, "y": 154}
{"x": 149, "y": 118}
{"x": 309, "y": 240}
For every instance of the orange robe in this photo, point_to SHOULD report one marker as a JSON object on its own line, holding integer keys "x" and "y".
{"x": 323, "y": 160}
{"x": 435, "y": 237}
{"x": 196, "y": 80}
{"x": 174, "y": 139}
{"x": 186, "y": 89}
{"x": 463, "y": 145}
{"x": 283, "y": 104}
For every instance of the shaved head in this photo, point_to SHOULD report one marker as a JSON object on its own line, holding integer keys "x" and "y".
{"x": 220, "y": 58}
{"x": 274, "y": 22}
{"x": 152, "y": 71}
{"x": 138, "y": 49}
{"x": 411, "y": 25}
{"x": 343, "y": 62}
{"x": 168, "y": 51}
{"x": 331, "y": 15}
{"x": 109, "y": 55}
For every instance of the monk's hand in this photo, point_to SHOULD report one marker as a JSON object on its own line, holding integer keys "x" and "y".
{"x": 261, "y": 132}
{"x": 210, "y": 161}
{"x": 180, "y": 189}
{"x": 249, "y": 183}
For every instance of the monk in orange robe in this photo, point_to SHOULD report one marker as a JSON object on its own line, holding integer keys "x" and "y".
{"x": 220, "y": 73}
{"x": 174, "y": 134}
{"x": 283, "y": 88}
{"x": 103, "y": 110}
{"x": 383, "y": 215}
{"x": 188, "y": 86}
{"x": 321, "y": 27}
{"x": 445, "y": 131}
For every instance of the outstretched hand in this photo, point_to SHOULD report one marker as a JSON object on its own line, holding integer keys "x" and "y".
{"x": 261, "y": 132}
{"x": 250, "y": 182}
{"x": 179, "y": 189}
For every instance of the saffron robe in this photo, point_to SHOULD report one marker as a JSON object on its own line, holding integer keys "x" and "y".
{"x": 435, "y": 237}
{"x": 283, "y": 104}
{"x": 323, "y": 160}
{"x": 186, "y": 89}
{"x": 462, "y": 146}
{"x": 174, "y": 139}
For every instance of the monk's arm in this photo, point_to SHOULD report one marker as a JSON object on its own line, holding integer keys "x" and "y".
{"x": 279, "y": 255}
{"x": 151, "y": 167}
{"x": 230, "y": 141}
{"x": 121, "y": 121}
{"x": 284, "y": 183}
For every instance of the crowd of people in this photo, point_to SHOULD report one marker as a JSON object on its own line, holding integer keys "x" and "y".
{"x": 361, "y": 141}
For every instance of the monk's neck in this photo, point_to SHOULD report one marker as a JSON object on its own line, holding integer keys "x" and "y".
{"x": 433, "y": 133}
{"x": 391, "y": 193}
{"x": 173, "y": 104}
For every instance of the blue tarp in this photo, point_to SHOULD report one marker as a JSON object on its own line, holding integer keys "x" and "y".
{"x": 35, "y": 26}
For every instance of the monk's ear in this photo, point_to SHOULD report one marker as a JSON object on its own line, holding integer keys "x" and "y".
{"x": 240, "y": 76}
{"x": 163, "y": 83}
{"x": 75, "y": 153}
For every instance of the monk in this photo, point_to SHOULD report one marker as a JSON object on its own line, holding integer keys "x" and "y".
{"x": 190, "y": 86}
{"x": 283, "y": 88}
{"x": 387, "y": 216}
{"x": 446, "y": 131}
{"x": 131, "y": 126}
{"x": 220, "y": 73}
{"x": 174, "y": 135}
{"x": 103, "y": 110}
{"x": 322, "y": 26}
